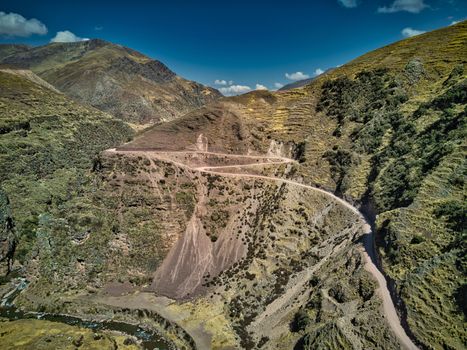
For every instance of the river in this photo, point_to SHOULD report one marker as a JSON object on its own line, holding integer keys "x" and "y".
{"x": 147, "y": 339}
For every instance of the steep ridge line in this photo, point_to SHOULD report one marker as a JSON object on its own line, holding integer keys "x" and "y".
{"x": 368, "y": 252}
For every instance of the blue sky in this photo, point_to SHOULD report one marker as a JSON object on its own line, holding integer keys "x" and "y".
{"x": 241, "y": 42}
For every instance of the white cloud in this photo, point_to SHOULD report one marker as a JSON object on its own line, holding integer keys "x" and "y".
{"x": 223, "y": 82}
{"x": 455, "y": 22}
{"x": 13, "y": 24}
{"x": 66, "y": 37}
{"x": 318, "y": 71}
{"x": 260, "y": 87}
{"x": 410, "y": 32}
{"x": 98, "y": 28}
{"x": 296, "y": 76}
{"x": 235, "y": 90}
{"x": 278, "y": 85}
{"x": 412, "y": 6}
{"x": 348, "y": 3}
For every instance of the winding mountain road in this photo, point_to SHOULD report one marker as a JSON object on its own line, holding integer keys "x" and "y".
{"x": 368, "y": 250}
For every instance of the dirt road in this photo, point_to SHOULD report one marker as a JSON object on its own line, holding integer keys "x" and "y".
{"x": 368, "y": 250}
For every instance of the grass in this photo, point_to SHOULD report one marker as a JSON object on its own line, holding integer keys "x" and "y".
{"x": 415, "y": 147}
{"x": 439, "y": 51}
{"x": 48, "y": 147}
{"x": 39, "y": 334}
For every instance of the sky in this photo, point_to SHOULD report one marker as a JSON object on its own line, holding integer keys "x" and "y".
{"x": 235, "y": 46}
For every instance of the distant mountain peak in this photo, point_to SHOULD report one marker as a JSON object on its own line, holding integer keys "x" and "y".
{"x": 301, "y": 83}
{"x": 113, "y": 78}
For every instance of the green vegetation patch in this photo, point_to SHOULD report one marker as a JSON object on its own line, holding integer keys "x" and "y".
{"x": 416, "y": 182}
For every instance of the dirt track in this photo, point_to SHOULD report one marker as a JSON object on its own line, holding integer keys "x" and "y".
{"x": 368, "y": 251}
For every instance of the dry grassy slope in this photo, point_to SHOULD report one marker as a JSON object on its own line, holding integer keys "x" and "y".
{"x": 420, "y": 250}
{"x": 36, "y": 334}
{"x": 440, "y": 50}
{"x": 429, "y": 266}
{"x": 113, "y": 78}
{"x": 30, "y": 76}
{"x": 291, "y": 255}
{"x": 248, "y": 124}
{"x": 296, "y": 84}
{"x": 112, "y": 235}
{"x": 10, "y": 49}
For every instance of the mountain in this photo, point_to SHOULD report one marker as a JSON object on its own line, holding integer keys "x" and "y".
{"x": 112, "y": 78}
{"x": 330, "y": 216}
{"x": 300, "y": 83}
{"x": 11, "y": 49}
{"x": 386, "y": 132}
{"x": 296, "y": 84}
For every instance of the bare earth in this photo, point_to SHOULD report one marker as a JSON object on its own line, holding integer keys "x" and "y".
{"x": 237, "y": 167}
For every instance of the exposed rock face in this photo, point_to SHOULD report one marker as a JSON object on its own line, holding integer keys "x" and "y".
{"x": 113, "y": 78}
{"x": 216, "y": 235}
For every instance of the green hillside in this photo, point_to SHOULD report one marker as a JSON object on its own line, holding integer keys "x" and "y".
{"x": 399, "y": 148}
{"x": 48, "y": 145}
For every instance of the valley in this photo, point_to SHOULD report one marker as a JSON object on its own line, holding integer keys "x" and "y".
{"x": 328, "y": 216}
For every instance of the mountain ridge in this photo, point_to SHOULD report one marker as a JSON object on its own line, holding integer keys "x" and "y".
{"x": 113, "y": 78}
{"x": 301, "y": 83}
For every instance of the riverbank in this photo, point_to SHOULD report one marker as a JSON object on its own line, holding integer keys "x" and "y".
{"x": 35, "y": 327}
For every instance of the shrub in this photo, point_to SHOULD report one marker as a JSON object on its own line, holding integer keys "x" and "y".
{"x": 300, "y": 321}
